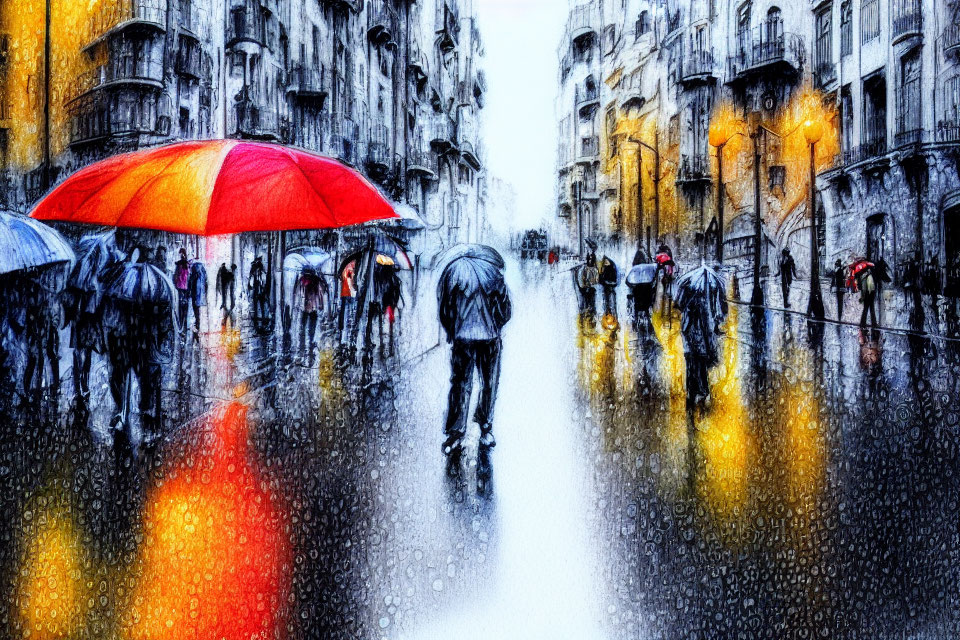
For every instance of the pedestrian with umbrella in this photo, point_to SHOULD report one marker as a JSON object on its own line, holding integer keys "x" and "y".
{"x": 197, "y": 285}
{"x": 609, "y": 278}
{"x": 30, "y": 255}
{"x": 226, "y": 285}
{"x": 866, "y": 276}
{"x": 309, "y": 295}
{"x": 140, "y": 323}
{"x": 642, "y": 282}
{"x": 181, "y": 280}
{"x": 700, "y": 298}
{"x": 474, "y": 306}
{"x": 838, "y": 282}
{"x": 585, "y": 279}
{"x": 83, "y": 303}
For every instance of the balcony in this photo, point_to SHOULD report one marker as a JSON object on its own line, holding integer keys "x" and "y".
{"x": 308, "y": 84}
{"x": 121, "y": 72}
{"x": 589, "y": 149}
{"x": 908, "y": 137}
{"x": 255, "y": 121}
{"x": 948, "y": 131}
{"x": 349, "y": 5}
{"x": 442, "y": 132}
{"x": 874, "y": 146}
{"x": 343, "y": 134}
{"x": 468, "y": 136}
{"x": 698, "y": 66}
{"x": 382, "y": 23}
{"x": 378, "y": 151}
{"x": 825, "y": 74}
{"x": 448, "y": 27}
{"x": 246, "y": 23}
{"x": 583, "y": 22}
{"x": 693, "y": 169}
{"x": 188, "y": 58}
{"x": 907, "y": 19}
{"x": 127, "y": 15}
{"x": 587, "y": 100}
{"x": 951, "y": 36}
{"x": 421, "y": 163}
{"x": 96, "y": 118}
{"x": 766, "y": 52}
{"x": 418, "y": 63}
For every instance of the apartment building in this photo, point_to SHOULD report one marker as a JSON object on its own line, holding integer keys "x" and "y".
{"x": 881, "y": 76}
{"x": 394, "y": 88}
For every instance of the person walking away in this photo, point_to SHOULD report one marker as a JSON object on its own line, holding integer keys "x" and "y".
{"x": 474, "y": 306}
{"x": 160, "y": 258}
{"x": 181, "y": 281}
{"x": 608, "y": 277}
{"x": 586, "y": 281}
{"x": 787, "y": 272}
{"x": 666, "y": 268}
{"x": 392, "y": 299}
{"x": 310, "y": 299}
{"x": 41, "y": 329}
{"x": 226, "y": 282}
{"x": 867, "y": 284}
{"x": 703, "y": 308}
{"x": 348, "y": 297}
{"x": 838, "y": 282}
{"x": 198, "y": 293}
{"x": 257, "y": 285}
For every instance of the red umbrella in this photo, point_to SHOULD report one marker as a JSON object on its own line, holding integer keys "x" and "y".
{"x": 214, "y": 187}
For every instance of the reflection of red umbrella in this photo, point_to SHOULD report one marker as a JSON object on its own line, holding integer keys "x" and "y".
{"x": 213, "y": 187}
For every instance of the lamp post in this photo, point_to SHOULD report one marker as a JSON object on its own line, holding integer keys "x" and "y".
{"x": 757, "y": 298}
{"x": 656, "y": 187}
{"x": 813, "y": 131}
{"x": 718, "y": 137}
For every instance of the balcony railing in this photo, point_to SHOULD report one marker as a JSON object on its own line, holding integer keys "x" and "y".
{"x": 118, "y": 72}
{"x": 95, "y": 118}
{"x": 382, "y": 21}
{"x": 258, "y": 121}
{"x": 764, "y": 47}
{"x": 583, "y": 20}
{"x": 693, "y": 168}
{"x": 116, "y": 16}
{"x": 308, "y": 82}
{"x": 698, "y": 64}
{"x": 905, "y": 137}
{"x": 378, "y": 150}
{"x": 948, "y": 131}
{"x": 420, "y": 162}
{"x": 825, "y": 74}
{"x": 246, "y": 22}
{"x": 951, "y": 35}
{"x": 442, "y": 132}
{"x": 907, "y": 17}
{"x": 589, "y": 148}
{"x": 585, "y": 95}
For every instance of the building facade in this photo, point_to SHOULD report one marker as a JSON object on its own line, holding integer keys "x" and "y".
{"x": 394, "y": 88}
{"x": 702, "y": 119}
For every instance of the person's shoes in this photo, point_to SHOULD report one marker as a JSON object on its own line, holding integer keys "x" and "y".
{"x": 453, "y": 444}
{"x": 487, "y": 440}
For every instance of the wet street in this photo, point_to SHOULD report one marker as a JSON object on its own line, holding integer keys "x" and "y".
{"x": 814, "y": 496}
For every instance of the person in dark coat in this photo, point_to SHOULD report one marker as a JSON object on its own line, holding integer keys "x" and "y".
{"x": 198, "y": 291}
{"x": 42, "y": 335}
{"x": 257, "y": 284}
{"x": 226, "y": 285}
{"x": 391, "y": 299}
{"x": 704, "y": 307}
{"x": 181, "y": 280}
{"x": 787, "y": 272}
{"x": 608, "y": 278}
{"x": 474, "y": 306}
{"x": 310, "y": 299}
{"x": 838, "y": 282}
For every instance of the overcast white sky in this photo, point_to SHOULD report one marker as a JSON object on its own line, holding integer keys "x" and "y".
{"x": 521, "y": 39}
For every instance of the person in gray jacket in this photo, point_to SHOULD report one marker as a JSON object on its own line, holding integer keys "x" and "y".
{"x": 474, "y": 306}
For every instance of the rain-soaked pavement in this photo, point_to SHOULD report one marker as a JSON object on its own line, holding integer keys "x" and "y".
{"x": 816, "y": 496}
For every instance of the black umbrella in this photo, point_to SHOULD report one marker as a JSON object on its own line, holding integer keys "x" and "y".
{"x": 96, "y": 254}
{"x": 477, "y": 252}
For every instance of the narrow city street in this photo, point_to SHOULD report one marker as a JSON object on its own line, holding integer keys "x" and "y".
{"x": 815, "y": 495}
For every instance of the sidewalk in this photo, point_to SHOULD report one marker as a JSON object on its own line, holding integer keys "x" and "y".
{"x": 894, "y": 306}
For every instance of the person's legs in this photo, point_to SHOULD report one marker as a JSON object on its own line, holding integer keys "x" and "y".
{"x": 183, "y": 307}
{"x": 462, "y": 359}
{"x": 839, "y": 306}
{"x": 864, "y": 300}
{"x": 312, "y": 328}
{"x": 488, "y": 365}
{"x": 785, "y": 289}
{"x": 873, "y": 310}
{"x": 196, "y": 317}
{"x": 53, "y": 354}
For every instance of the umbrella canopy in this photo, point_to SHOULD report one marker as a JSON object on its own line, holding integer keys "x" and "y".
{"x": 477, "y": 252}
{"x": 140, "y": 283}
{"x": 704, "y": 286}
{"x": 96, "y": 254}
{"x": 312, "y": 257}
{"x": 213, "y": 187}
{"x": 409, "y": 218}
{"x": 27, "y": 244}
{"x": 859, "y": 265}
{"x": 642, "y": 274}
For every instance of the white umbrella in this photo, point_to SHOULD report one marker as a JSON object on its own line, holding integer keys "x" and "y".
{"x": 26, "y": 243}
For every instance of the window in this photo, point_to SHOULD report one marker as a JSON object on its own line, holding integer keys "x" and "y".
{"x": 823, "y": 47}
{"x": 908, "y": 118}
{"x": 869, "y": 20}
{"x": 846, "y": 119}
{"x": 874, "y": 131}
{"x": 316, "y": 47}
{"x": 743, "y": 27}
{"x": 846, "y": 29}
{"x": 610, "y": 121}
{"x": 643, "y": 23}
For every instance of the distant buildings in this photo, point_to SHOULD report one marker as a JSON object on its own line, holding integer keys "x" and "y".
{"x": 394, "y": 88}
{"x": 644, "y": 84}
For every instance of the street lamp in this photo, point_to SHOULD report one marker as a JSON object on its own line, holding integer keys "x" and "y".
{"x": 756, "y": 130}
{"x": 813, "y": 131}
{"x": 656, "y": 187}
{"x": 718, "y": 137}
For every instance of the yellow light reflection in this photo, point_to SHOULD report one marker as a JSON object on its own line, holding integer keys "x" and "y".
{"x": 674, "y": 438}
{"x": 51, "y": 581}
{"x": 725, "y": 438}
